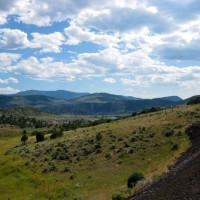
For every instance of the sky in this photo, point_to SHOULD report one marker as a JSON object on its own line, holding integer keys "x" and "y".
{"x": 140, "y": 48}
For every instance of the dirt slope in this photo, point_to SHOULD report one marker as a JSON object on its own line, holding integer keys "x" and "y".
{"x": 183, "y": 181}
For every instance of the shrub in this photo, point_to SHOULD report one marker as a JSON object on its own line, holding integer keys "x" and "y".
{"x": 56, "y": 134}
{"x": 35, "y": 132}
{"x": 98, "y": 136}
{"x": 24, "y": 138}
{"x": 134, "y": 114}
{"x": 134, "y": 178}
{"x": 39, "y": 137}
{"x": 119, "y": 196}
{"x": 169, "y": 132}
{"x": 175, "y": 147}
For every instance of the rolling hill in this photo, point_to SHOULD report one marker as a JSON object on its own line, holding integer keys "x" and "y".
{"x": 95, "y": 162}
{"x": 59, "y": 94}
{"x": 93, "y": 104}
{"x": 83, "y": 103}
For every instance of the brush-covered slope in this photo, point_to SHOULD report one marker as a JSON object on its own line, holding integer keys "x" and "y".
{"x": 95, "y": 162}
{"x": 183, "y": 181}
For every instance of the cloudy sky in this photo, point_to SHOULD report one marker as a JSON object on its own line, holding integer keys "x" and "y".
{"x": 143, "y": 48}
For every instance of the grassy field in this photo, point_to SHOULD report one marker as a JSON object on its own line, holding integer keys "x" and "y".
{"x": 94, "y": 163}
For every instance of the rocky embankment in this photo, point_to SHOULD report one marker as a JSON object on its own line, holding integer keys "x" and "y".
{"x": 183, "y": 181}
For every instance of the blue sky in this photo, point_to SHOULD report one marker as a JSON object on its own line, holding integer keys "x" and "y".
{"x": 142, "y": 48}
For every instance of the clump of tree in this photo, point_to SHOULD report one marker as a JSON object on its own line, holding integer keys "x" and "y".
{"x": 22, "y": 122}
{"x": 146, "y": 110}
{"x": 119, "y": 196}
{"x": 24, "y": 138}
{"x": 39, "y": 136}
{"x": 175, "y": 147}
{"x": 81, "y": 123}
{"x": 194, "y": 100}
{"x": 134, "y": 178}
{"x": 56, "y": 134}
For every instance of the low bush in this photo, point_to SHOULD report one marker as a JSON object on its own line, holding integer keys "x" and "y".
{"x": 134, "y": 178}
{"x": 39, "y": 136}
{"x": 119, "y": 196}
{"x": 56, "y": 134}
{"x": 24, "y": 138}
{"x": 169, "y": 132}
{"x": 175, "y": 147}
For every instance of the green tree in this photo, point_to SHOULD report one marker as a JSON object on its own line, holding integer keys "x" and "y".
{"x": 134, "y": 178}
{"x": 39, "y": 136}
{"x": 24, "y": 138}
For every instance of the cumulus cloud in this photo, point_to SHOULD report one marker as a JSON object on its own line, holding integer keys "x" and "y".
{"x": 8, "y": 8}
{"x": 135, "y": 69}
{"x": 127, "y": 19}
{"x": 8, "y": 90}
{"x": 7, "y": 59}
{"x": 13, "y": 39}
{"x": 109, "y": 80}
{"x": 9, "y": 80}
{"x": 47, "y": 42}
{"x": 44, "y": 13}
{"x": 136, "y": 40}
{"x": 77, "y": 35}
{"x": 179, "y": 11}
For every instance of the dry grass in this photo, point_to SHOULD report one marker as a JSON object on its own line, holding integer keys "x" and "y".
{"x": 95, "y": 175}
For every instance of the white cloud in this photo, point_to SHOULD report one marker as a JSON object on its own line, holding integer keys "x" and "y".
{"x": 9, "y": 80}
{"x": 43, "y": 13}
{"x": 13, "y": 39}
{"x": 7, "y": 59}
{"x": 48, "y": 42}
{"x": 8, "y": 90}
{"x": 137, "y": 81}
{"x": 123, "y": 19}
{"x": 134, "y": 68}
{"x": 109, "y": 80}
{"x": 77, "y": 35}
{"x": 140, "y": 41}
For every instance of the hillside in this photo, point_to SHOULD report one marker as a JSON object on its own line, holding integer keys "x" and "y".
{"x": 183, "y": 181}
{"x": 172, "y": 98}
{"x": 34, "y": 101}
{"x": 95, "y": 162}
{"x": 59, "y": 94}
{"x": 94, "y": 104}
{"x": 104, "y": 98}
{"x": 115, "y": 107}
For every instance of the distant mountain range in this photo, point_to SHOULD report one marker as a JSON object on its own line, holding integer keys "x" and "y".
{"x": 65, "y": 102}
{"x": 59, "y": 94}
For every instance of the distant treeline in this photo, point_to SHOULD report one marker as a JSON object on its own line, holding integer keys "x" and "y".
{"x": 23, "y": 122}
{"x": 146, "y": 110}
{"x": 194, "y": 100}
{"x": 72, "y": 125}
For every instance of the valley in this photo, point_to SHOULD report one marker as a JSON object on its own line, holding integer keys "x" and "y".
{"x": 93, "y": 162}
